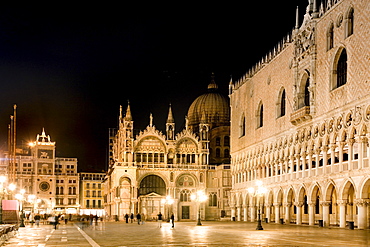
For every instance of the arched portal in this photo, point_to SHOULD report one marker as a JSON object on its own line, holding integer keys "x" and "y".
{"x": 152, "y": 190}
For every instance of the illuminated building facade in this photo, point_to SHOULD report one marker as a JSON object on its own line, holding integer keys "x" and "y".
{"x": 54, "y": 181}
{"x": 91, "y": 193}
{"x": 300, "y": 122}
{"x": 154, "y": 172}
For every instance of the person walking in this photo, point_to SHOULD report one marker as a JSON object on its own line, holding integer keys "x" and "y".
{"x": 56, "y": 221}
{"x": 173, "y": 220}
{"x": 138, "y": 217}
{"x": 126, "y": 217}
{"x": 159, "y": 220}
{"x": 132, "y": 217}
{"x": 37, "y": 219}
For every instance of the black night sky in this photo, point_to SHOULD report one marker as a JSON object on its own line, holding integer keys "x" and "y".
{"x": 69, "y": 68}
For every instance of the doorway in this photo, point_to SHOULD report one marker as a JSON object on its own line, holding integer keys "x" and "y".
{"x": 185, "y": 212}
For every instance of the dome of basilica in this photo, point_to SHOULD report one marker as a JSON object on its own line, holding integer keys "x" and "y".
{"x": 212, "y": 108}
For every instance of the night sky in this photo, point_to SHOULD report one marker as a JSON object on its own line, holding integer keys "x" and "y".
{"x": 69, "y": 68}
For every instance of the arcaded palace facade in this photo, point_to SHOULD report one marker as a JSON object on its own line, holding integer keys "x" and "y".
{"x": 154, "y": 172}
{"x": 300, "y": 123}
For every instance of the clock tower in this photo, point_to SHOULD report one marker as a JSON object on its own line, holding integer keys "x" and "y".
{"x": 43, "y": 151}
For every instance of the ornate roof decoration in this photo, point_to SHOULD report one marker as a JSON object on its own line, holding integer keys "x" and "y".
{"x": 186, "y": 133}
{"x": 150, "y": 131}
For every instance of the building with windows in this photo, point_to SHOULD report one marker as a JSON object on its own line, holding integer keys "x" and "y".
{"x": 91, "y": 193}
{"x": 156, "y": 172}
{"x": 52, "y": 181}
{"x": 300, "y": 122}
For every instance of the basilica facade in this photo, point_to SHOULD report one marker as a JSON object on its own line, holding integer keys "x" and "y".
{"x": 155, "y": 172}
{"x": 300, "y": 123}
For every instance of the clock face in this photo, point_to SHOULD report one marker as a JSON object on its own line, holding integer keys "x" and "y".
{"x": 44, "y": 186}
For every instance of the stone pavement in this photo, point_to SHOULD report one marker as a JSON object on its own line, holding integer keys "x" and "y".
{"x": 211, "y": 233}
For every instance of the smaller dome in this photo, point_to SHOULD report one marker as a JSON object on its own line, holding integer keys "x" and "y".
{"x": 212, "y": 108}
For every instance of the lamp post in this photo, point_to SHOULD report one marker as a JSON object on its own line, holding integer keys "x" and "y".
{"x": 258, "y": 192}
{"x": 20, "y": 198}
{"x": 168, "y": 201}
{"x": 199, "y": 197}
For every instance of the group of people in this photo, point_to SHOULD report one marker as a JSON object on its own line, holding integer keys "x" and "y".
{"x": 139, "y": 219}
{"x": 160, "y": 218}
{"x": 131, "y": 218}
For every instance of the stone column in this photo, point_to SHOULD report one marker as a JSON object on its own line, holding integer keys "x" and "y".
{"x": 268, "y": 212}
{"x": 310, "y": 162}
{"x": 362, "y": 213}
{"x": 311, "y": 213}
{"x": 252, "y": 209}
{"x": 277, "y": 212}
{"x": 238, "y": 211}
{"x": 317, "y": 160}
{"x": 342, "y": 213}
{"x": 332, "y": 147}
{"x": 324, "y": 159}
{"x": 245, "y": 213}
{"x": 287, "y": 212}
{"x": 362, "y": 140}
{"x": 299, "y": 212}
{"x": 232, "y": 206}
{"x": 325, "y": 213}
{"x": 350, "y": 153}
{"x": 341, "y": 145}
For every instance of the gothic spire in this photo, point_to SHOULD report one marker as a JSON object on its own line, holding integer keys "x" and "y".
{"x": 170, "y": 118}
{"x": 128, "y": 116}
{"x": 296, "y": 19}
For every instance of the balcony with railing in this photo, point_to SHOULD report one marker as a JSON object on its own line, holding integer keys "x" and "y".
{"x": 300, "y": 115}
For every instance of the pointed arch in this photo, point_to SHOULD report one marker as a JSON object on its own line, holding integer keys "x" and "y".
{"x": 259, "y": 115}
{"x": 339, "y": 69}
{"x": 242, "y": 126}
{"x": 281, "y": 103}
{"x": 304, "y": 93}
{"x": 349, "y": 22}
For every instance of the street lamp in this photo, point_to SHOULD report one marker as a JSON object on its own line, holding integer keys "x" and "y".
{"x": 258, "y": 193}
{"x": 168, "y": 201}
{"x": 20, "y": 198}
{"x": 199, "y": 197}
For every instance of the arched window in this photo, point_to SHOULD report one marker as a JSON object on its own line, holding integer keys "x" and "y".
{"x": 260, "y": 116}
{"x": 281, "y": 104}
{"x": 212, "y": 200}
{"x": 342, "y": 69}
{"x": 330, "y": 37}
{"x": 349, "y": 23}
{"x": 152, "y": 183}
{"x": 307, "y": 93}
{"x": 242, "y": 127}
{"x": 185, "y": 196}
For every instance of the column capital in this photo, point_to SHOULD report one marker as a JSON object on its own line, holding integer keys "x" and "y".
{"x": 362, "y": 202}
{"x": 327, "y": 203}
{"x": 298, "y": 204}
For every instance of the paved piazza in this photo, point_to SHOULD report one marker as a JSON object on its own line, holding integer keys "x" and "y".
{"x": 211, "y": 233}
